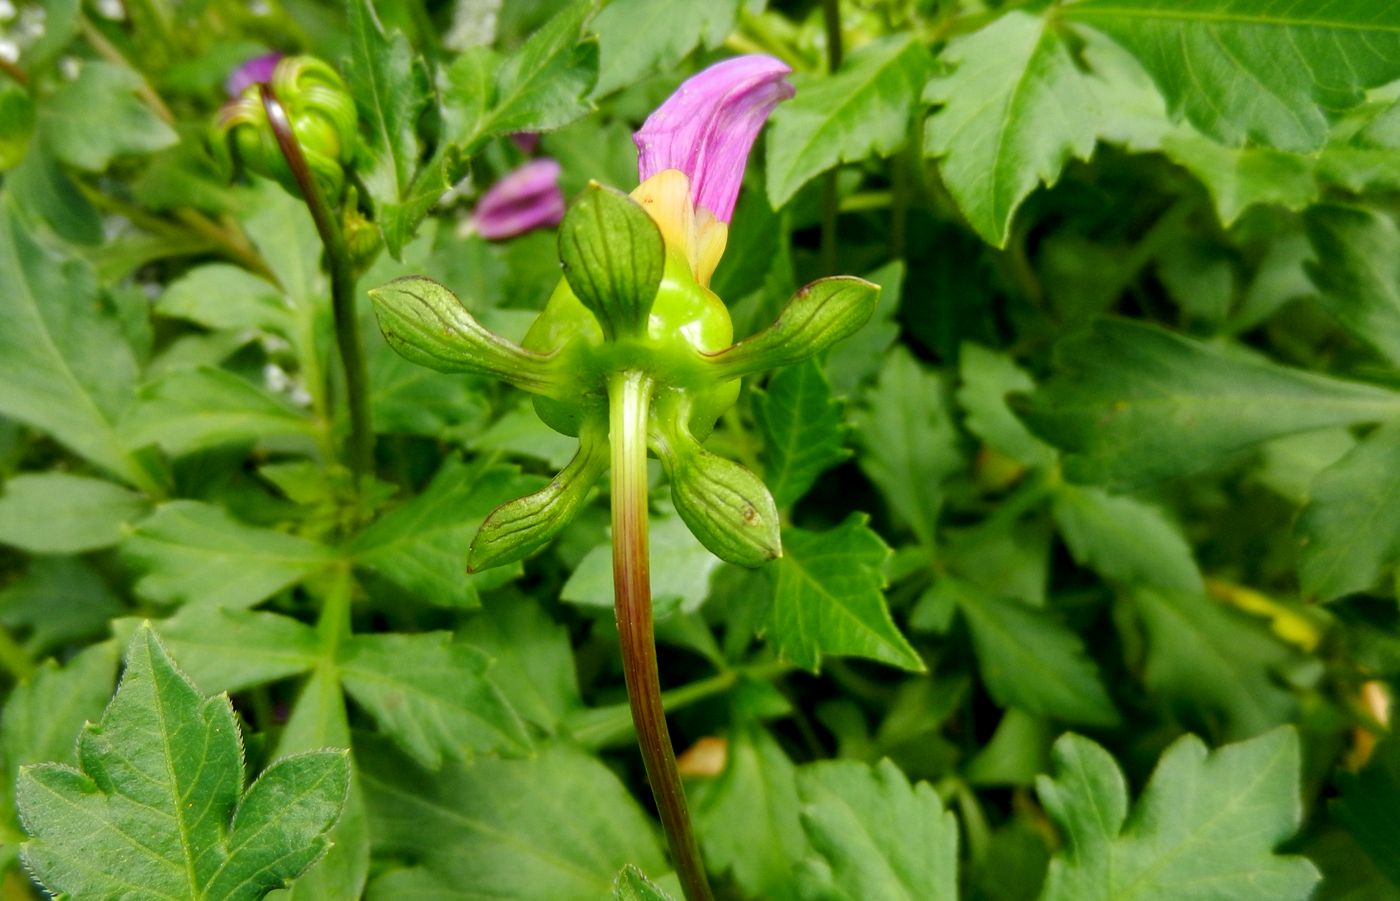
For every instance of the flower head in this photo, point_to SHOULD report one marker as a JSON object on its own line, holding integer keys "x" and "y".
{"x": 526, "y": 199}
{"x": 257, "y": 70}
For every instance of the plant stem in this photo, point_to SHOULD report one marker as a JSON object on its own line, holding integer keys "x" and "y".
{"x": 343, "y": 278}
{"x": 831, "y": 15}
{"x": 629, "y": 396}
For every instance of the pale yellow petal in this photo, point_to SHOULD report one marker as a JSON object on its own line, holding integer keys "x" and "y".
{"x": 666, "y": 196}
{"x": 711, "y": 236}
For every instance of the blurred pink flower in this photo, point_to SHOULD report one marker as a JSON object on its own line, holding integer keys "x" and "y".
{"x": 525, "y": 199}
{"x": 254, "y": 71}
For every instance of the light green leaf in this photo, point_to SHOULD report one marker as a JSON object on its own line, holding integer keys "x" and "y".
{"x": 633, "y": 885}
{"x": 434, "y": 696}
{"x": 1357, "y": 270}
{"x": 223, "y": 296}
{"x": 987, "y": 378}
{"x": 680, "y": 570}
{"x": 191, "y": 552}
{"x": 1124, "y": 539}
{"x": 1030, "y": 660}
{"x": 1015, "y": 110}
{"x": 233, "y": 650}
{"x": 190, "y": 410}
{"x": 1136, "y": 404}
{"x": 1368, "y": 803}
{"x": 828, "y": 598}
{"x": 62, "y": 513}
{"x": 422, "y": 545}
{"x": 1349, "y": 531}
{"x": 1241, "y": 177}
{"x": 1205, "y": 827}
{"x": 158, "y": 809}
{"x": 534, "y": 661}
{"x": 1258, "y": 71}
{"x": 863, "y": 110}
{"x": 879, "y": 838}
{"x": 281, "y": 228}
{"x": 803, "y": 430}
{"x": 558, "y": 825}
{"x": 97, "y": 117}
{"x": 638, "y": 37}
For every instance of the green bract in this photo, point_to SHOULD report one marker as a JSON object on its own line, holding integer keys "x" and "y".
{"x": 627, "y": 302}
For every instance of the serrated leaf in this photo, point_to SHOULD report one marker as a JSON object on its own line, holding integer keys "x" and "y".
{"x": 422, "y": 545}
{"x": 1349, "y": 532}
{"x": 1015, "y": 111}
{"x": 1134, "y": 404}
{"x": 1124, "y": 539}
{"x": 1368, "y": 804}
{"x": 987, "y": 378}
{"x": 1241, "y": 177}
{"x": 828, "y": 598}
{"x": 62, "y": 513}
{"x": 863, "y": 110}
{"x": 803, "y": 430}
{"x": 1206, "y": 826}
{"x": 1356, "y": 270}
{"x": 390, "y": 88}
{"x": 1257, "y": 71}
{"x": 434, "y": 696}
{"x": 534, "y": 662}
{"x": 233, "y": 650}
{"x": 879, "y": 838}
{"x": 633, "y": 885}
{"x": 638, "y": 37}
{"x": 97, "y": 117}
{"x": 158, "y": 809}
{"x": 191, "y": 410}
{"x": 1030, "y": 660}
{"x": 191, "y": 552}
{"x": 553, "y": 826}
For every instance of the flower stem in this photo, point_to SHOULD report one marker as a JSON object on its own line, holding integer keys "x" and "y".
{"x": 629, "y": 395}
{"x": 343, "y": 279}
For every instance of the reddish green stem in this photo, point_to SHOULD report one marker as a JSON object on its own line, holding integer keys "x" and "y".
{"x": 629, "y": 396}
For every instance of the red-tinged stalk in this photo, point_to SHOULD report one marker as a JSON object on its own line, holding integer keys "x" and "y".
{"x": 629, "y": 396}
{"x": 343, "y": 279}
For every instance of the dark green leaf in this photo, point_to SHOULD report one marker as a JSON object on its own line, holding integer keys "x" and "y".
{"x": 1357, "y": 270}
{"x": 802, "y": 428}
{"x": 987, "y": 378}
{"x": 1369, "y": 806}
{"x": 1124, "y": 539}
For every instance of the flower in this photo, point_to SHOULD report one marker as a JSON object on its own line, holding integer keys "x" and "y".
{"x": 526, "y": 199}
{"x": 257, "y": 70}
{"x": 692, "y": 150}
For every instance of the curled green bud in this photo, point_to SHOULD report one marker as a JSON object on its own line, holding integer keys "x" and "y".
{"x": 816, "y": 317}
{"x": 428, "y": 325}
{"x": 362, "y": 237}
{"x": 613, "y": 257}
{"x": 723, "y": 504}
{"x": 519, "y": 528}
{"x": 320, "y": 113}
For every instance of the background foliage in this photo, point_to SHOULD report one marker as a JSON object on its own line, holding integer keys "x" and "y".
{"x": 1089, "y": 586}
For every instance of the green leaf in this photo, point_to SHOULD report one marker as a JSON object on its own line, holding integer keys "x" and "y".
{"x": 803, "y": 431}
{"x": 1136, "y": 404}
{"x": 92, "y": 120}
{"x": 66, "y": 367}
{"x": 1369, "y": 803}
{"x": 1124, "y": 539}
{"x": 828, "y": 599}
{"x": 422, "y": 545}
{"x": 59, "y": 601}
{"x": 612, "y": 255}
{"x": 910, "y": 443}
{"x": 638, "y": 37}
{"x": 1257, "y": 71}
{"x": 549, "y": 827}
{"x": 191, "y": 410}
{"x": 633, "y": 885}
{"x": 233, "y": 650}
{"x": 1205, "y": 827}
{"x": 1240, "y": 177}
{"x": 863, "y": 110}
{"x": 880, "y": 839}
{"x": 159, "y": 803}
{"x": 195, "y": 553}
{"x": 1349, "y": 531}
{"x": 1014, "y": 111}
{"x": 1357, "y": 271}
{"x": 61, "y": 513}
{"x": 1030, "y": 660}
{"x": 280, "y": 226}
{"x": 987, "y": 378}
{"x": 434, "y": 696}
{"x": 223, "y": 296}
{"x": 534, "y": 661}
{"x": 1214, "y": 667}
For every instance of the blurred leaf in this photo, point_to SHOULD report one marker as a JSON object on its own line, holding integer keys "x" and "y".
{"x": 191, "y": 410}
{"x": 1349, "y": 532}
{"x": 1030, "y": 660}
{"x": 97, "y": 117}
{"x": 987, "y": 378}
{"x": 1135, "y": 404}
{"x": 638, "y": 37}
{"x": 803, "y": 430}
{"x": 1124, "y": 539}
{"x": 159, "y": 799}
{"x": 1015, "y": 110}
{"x": 552, "y": 826}
{"x": 234, "y": 650}
{"x": 1241, "y": 177}
{"x": 1357, "y": 270}
{"x": 878, "y": 836}
{"x": 633, "y": 885}
{"x": 58, "y": 601}
{"x": 434, "y": 696}
{"x": 1369, "y": 803}
{"x": 828, "y": 598}
{"x": 1205, "y": 827}
{"x": 223, "y": 296}
{"x": 62, "y": 513}
{"x": 863, "y": 110}
{"x": 190, "y": 552}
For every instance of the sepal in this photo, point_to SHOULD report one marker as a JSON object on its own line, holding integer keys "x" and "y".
{"x": 816, "y": 317}
{"x": 613, "y": 258}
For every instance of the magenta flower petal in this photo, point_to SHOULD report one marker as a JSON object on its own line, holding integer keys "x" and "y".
{"x": 526, "y": 199}
{"x": 707, "y": 127}
{"x": 255, "y": 71}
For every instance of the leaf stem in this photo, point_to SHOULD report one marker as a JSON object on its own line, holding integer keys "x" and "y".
{"x": 343, "y": 279}
{"x": 629, "y": 397}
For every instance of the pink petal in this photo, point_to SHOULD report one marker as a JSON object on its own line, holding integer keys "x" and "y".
{"x": 255, "y": 71}
{"x": 707, "y": 127}
{"x": 527, "y": 198}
